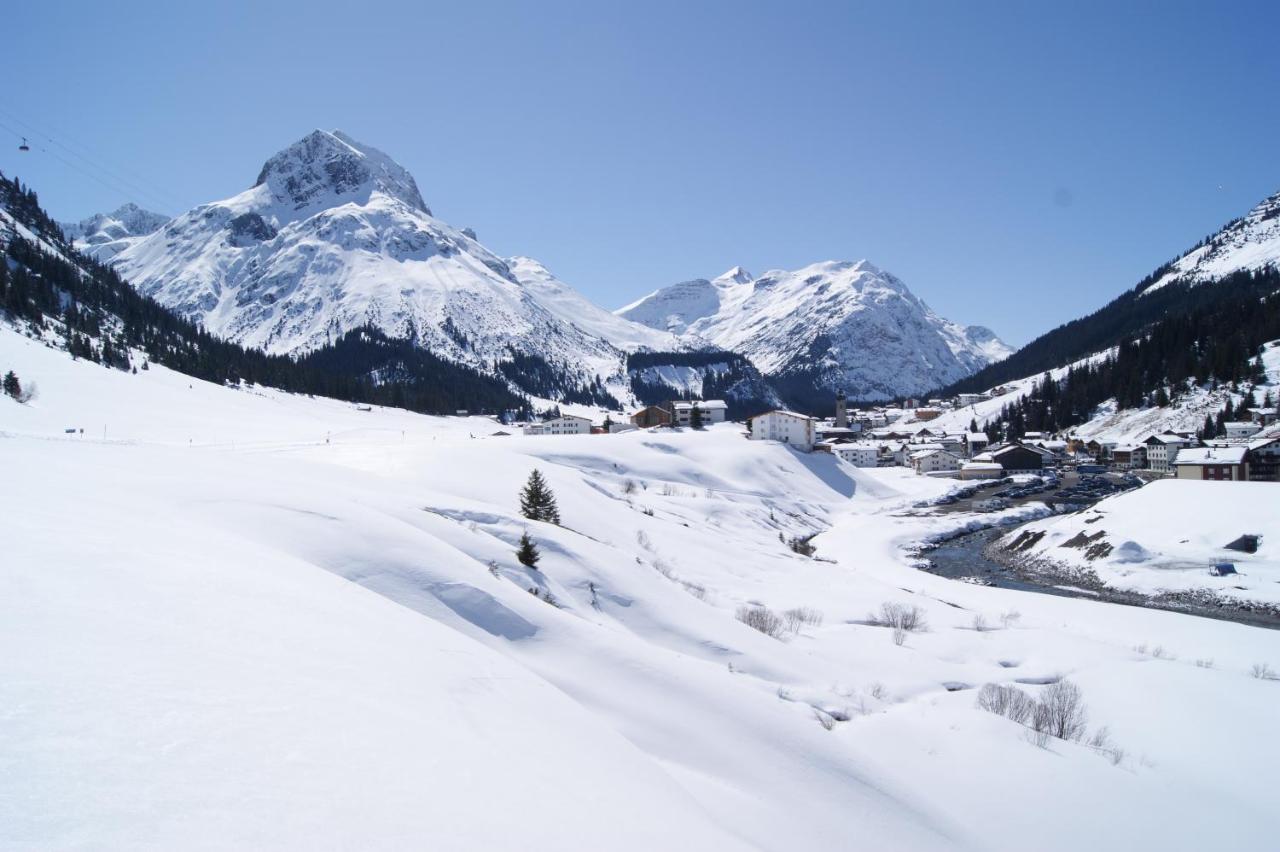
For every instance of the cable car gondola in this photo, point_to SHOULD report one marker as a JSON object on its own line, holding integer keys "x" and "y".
{"x": 24, "y": 146}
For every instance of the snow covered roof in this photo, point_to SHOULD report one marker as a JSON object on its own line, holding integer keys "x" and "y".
{"x": 981, "y": 466}
{"x": 784, "y": 413}
{"x": 1212, "y": 455}
{"x": 705, "y": 405}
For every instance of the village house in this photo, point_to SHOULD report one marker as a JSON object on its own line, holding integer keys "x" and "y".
{"x": 1131, "y": 456}
{"x": 650, "y": 416}
{"x": 1100, "y": 450}
{"x": 858, "y": 455}
{"x": 1264, "y": 459}
{"x": 569, "y": 424}
{"x": 966, "y": 399}
{"x": 976, "y": 442}
{"x": 934, "y": 461}
{"x": 1240, "y": 429}
{"x": 798, "y": 430}
{"x": 1213, "y": 463}
{"x": 981, "y": 470}
{"x": 1015, "y": 458}
{"x": 712, "y": 410}
{"x": 928, "y": 413}
{"x": 1163, "y": 449}
{"x": 1263, "y": 416}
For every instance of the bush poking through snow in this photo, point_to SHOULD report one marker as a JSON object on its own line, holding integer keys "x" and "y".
{"x": 802, "y": 546}
{"x": 801, "y": 616}
{"x": 629, "y": 486}
{"x": 909, "y": 618}
{"x": 899, "y": 636}
{"x": 1204, "y": 664}
{"x": 763, "y": 619}
{"x": 1010, "y": 618}
{"x": 980, "y": 623}
{"x": 1060, "y": 712}
{"x": 1262, "y": 671}
{"x": 1007, "y": 701}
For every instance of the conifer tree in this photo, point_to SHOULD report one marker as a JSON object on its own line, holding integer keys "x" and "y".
{"x": 695, "y": 417}
{"x": 12, "y": 386}
{"x": 527, "y": 552}
{"x": 537, "y": 503}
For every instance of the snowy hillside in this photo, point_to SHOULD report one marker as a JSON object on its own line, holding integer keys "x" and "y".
{"x": 105, "y": 235}
{"x": 334, "y": 235}
{"x": 1248, "y": 243}
{"x": 849, "y": 325}
{"x": 283, "y": 622}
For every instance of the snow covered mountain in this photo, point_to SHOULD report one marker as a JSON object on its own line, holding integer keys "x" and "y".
{"x": 104, "y": 235}
{"x": 335, "y": 235}
{"x": 1248, "y": 243}
{"x": 846, "y": 325}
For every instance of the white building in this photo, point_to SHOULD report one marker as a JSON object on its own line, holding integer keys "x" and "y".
{"x": 785, "y": 426}
{"x": 1162, "y": 450}
{"x": 934, "y": 461}
{"x": 569, "y": 424}
{"x": 967, "y": 399}
{"x": 1239, "y": 429}
{"x": 713, "y": 411}
{"x": 981, "y": 470}
{"x": 858, "y": 455}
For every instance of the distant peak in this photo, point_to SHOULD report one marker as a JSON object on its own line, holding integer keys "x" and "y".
{"x": 325, "y": 163}
{"x": 737, "y": 274}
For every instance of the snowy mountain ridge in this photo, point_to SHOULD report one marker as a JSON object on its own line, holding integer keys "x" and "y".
{"x": 852, "y": 325}
{"x": 1249, "y": 243}
{"x": 104, "y": 235}
{"x": 335, "y": 235}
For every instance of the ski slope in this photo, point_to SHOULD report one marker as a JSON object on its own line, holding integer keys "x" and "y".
{"x": 249, "y": 619}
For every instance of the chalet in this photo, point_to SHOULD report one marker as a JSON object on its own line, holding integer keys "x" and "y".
{"x": 1239, "y": 429}
{"x": 928, "y": 413}
{"x": 712, "y": 410}
{"x": 934, "y": 461}
{"x": 798, "y": 430}
{"x": 569, "y": 424}
{"x": 1264, "y": 459}
{"x": 1214, "y": 463}
{"x": 858, "y": 455}
{"x": 1100, "y": 449}
{"x": 1016, "y": 458}
{"x": 650, "y": 416}
{"x": 839, "y": 434}
{"x": 1129, "y": 455}
{"x": 1162, "y": 449}
{"x": 1263, "y": 416}
{"x": 976, "y": 442}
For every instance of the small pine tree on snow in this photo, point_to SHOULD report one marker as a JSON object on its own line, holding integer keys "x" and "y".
{"x": 537, "y": 503}
{"x": 695, "y": 417}
{"x": 527, "y": 552}
{"x": 12, "y": 386}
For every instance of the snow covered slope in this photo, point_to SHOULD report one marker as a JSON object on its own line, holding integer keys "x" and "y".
{"x": 335, "y": 235}
{"x": 270, "y": 621}
{"x": 1251, "y": 242}
{"x": 851, "y": 325}
{"x": 105, "y": 235}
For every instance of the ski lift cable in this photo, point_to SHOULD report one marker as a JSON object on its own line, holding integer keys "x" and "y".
{"x": 37, "y": 146}
{"x": 135, "y": 187}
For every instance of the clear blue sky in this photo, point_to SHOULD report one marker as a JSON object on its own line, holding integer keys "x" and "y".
{"x": 1015, "y": 163}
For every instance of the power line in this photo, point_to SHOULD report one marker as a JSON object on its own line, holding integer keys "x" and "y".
{"x": 140, "y": 187}
{"x": 71, "y": 165}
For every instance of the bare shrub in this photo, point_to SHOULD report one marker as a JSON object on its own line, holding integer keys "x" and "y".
{"x": 801, "y": 616}
{"x": 669, "y": 490}
{"x": 1204, "y": 664}
{"x": 878, "y": 691}
{"x": 646, "y": 510}
{"x": 698, "y": 590}
{"x": 980, "y": 623}
{"x": 629, "y": 486}
{"x": 642, "y": 539}
{"x": 1007, "y": 701}
{"x": 1262, "y": 671}
{"x": 1060, "y": 712}
{"x": 761, "y": 618}
{"x": 899, "y": 636}
{"x": 1160, "y": 653}
{"x": 909, "y": 618}
{"x": 1010, "y": 618}
{"x": 664, "y": 569}
{"x": 826, "y": 720}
